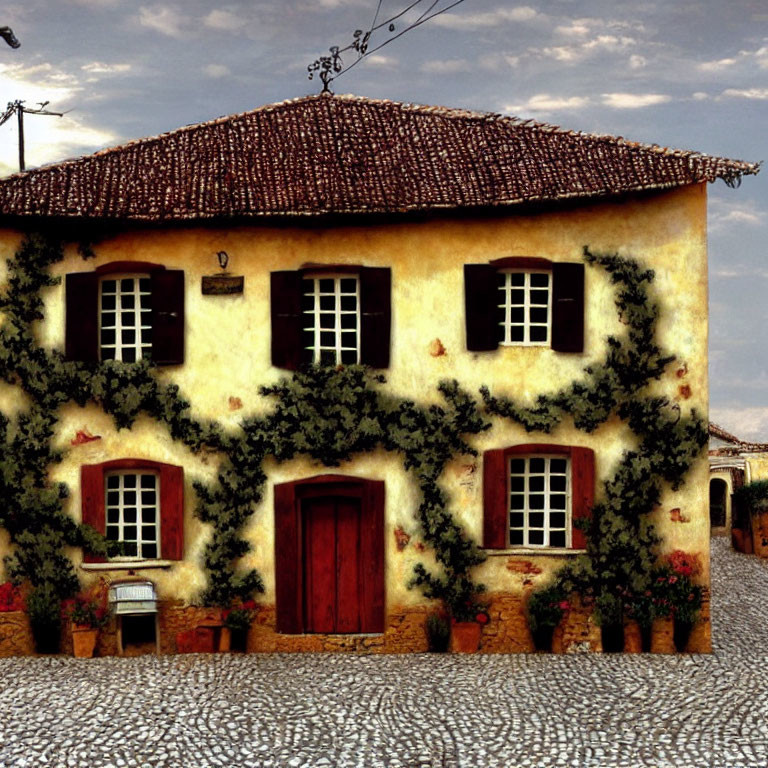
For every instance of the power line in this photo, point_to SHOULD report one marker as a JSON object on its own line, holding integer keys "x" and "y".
{"x": 328, "y": 68}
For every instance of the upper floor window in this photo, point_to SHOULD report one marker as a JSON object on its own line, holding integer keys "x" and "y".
{"x": 331, "y": 319}
{"x": 125, "y": 317}
{"x": 524, "y": 307}
{"x": 534, "y": 493}
{"x": 524, "y": 301}
{"x": 125, "y": 311}
{"x": 331, "y": 315}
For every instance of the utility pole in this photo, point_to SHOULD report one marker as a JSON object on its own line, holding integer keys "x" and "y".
{"x": 20, "y": 110}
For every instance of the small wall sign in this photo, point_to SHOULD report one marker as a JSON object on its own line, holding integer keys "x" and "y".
{"x": 222, "y": 285}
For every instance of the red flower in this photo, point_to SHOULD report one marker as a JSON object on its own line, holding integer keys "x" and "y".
{"x": 249, "y": 605}
{"x": 672, "y": 579}
{"x": 225, "y": 613}
{"x": 481, "y": 618}
{"x": 564, "y": 605}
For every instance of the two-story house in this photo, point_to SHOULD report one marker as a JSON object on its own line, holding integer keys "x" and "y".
{"x": 424, "y": 242}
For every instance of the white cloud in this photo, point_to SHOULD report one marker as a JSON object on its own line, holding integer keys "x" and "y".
{"x": 577, "y": 28}
{"x": 580, "y": 51}
{"x": 634, "y": 100}
{"x": 216, "y": 70}
{"x": 224, "y": 20}
{"x": 445, "y": 66}
{"x": 164, "y": 19}
{"x": 759, "y": 94}
{"x": 383, "y": 62}
{"x": 716, "y": 66}
{"x": 98, "y": 67}
{"x": 498, "y": 61}
{"x": 724, "y": 214}
{"x": 636, "y": 61}
{"x": 700, "y": 96}
{"x": 544, "y": 102}
{"x": 489, "y": 19}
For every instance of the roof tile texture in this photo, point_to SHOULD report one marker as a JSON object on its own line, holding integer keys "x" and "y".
{"x": 341, "y": 154}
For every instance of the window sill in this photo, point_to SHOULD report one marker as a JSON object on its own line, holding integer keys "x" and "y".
{"x": 533, "y": 551}
{"x": 126, "y": 565}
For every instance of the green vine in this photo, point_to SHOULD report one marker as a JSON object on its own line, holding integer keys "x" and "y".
{"x": 622, "y": 545}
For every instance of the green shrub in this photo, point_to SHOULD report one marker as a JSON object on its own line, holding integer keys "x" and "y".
{"x": 44, "y": 609}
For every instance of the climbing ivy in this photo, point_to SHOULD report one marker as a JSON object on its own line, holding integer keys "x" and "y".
{"x": 621, "y": 541}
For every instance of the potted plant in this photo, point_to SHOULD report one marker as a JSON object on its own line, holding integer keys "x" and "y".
{"x": 609, "y": 616}
{"x": 87, "y": 615}
{"x": 545, "y": 610}
{"x": 639, "y": 613}
{"x": 44, "y": 610}
{"x": 676, "y": 595}
{"x": 237, "y": 622}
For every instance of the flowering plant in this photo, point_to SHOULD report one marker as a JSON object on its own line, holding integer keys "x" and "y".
{"x": 87, "y": 611}
{"x": 11, "y": 598}
{"x": 674, "y": 593}
{"x": 547, "y": 607}
{"x": 239, "y": 616}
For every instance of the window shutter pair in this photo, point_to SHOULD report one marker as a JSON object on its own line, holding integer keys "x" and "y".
{"x": 171, "y": 503}
{"x": 82, "y": 315}
{"x": 496, "y": 494}
{"x": 375, "y": 317}
{"x": 480, "y": 296}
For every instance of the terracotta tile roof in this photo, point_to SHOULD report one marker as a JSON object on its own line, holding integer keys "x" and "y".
{"x": 737, "y": 446}
{"x": 345, "y": 154}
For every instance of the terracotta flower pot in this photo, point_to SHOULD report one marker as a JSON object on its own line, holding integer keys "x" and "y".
{"x": 225, "y": 639}
{"x": 465, "y": 636}
{"x": 84, "y": 641}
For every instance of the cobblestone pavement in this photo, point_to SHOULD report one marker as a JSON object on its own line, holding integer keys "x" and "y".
{"x": 407, "y": 711}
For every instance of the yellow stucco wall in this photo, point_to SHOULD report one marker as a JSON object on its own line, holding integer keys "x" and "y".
{"x": 228, "y": 355}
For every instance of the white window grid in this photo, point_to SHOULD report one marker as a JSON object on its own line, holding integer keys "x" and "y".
{"x": 525, "y": 307}
{"x": 331, "y": 319}
{"x": 125, "y": 317}
{"x": 539, "y": 501}
{"x": 132, "y": 511}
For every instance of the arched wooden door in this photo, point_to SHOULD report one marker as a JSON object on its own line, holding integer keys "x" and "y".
{"x": 329, "y": 555}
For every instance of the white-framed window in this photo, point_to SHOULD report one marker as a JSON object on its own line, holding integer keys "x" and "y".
{"x": 524, "y": 306}
{"x": 330, "y": 306}
{"x": 539, "y": 501}
{"x": 125, "y": 317}
{"x": 132, "y": 507}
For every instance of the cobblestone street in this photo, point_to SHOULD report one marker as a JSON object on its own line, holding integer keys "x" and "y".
{"x": 407, "y": 711}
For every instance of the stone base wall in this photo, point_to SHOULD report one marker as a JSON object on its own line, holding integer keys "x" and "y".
{"x": 15, "y": 635}
{"x": 405, "y": 632}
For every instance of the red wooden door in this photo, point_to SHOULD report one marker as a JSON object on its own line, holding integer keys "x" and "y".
{"x": 331, "y": 564}
{"x": 329, "y": 555}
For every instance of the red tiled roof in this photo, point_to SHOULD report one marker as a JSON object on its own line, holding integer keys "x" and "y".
{"x": 345, "y": 154}
{"x": 737, "y": 444}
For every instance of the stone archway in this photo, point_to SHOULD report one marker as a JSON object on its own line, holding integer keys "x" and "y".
{"x": 718, "y": 503}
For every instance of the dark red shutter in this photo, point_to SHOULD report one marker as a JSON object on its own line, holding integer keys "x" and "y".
{"x": 93, "y": 501}
{"x": 375, "y": 316}
{"x": 568, "y": 307}
{"x": 82, "y": 316}
{"x": 285, "y": 303}
{"x": 171, "y": 512}
{"x": 480, "y": 289}
{"x": 288, "y": 588}
{"x": 372, "y": 557}
{"x": 582, "y": 490}
{"x": 495, "y": 506}
{"x": 168, "y": 317}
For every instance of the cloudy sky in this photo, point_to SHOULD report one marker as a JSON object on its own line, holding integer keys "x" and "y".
{"x": 692, "y": 75}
